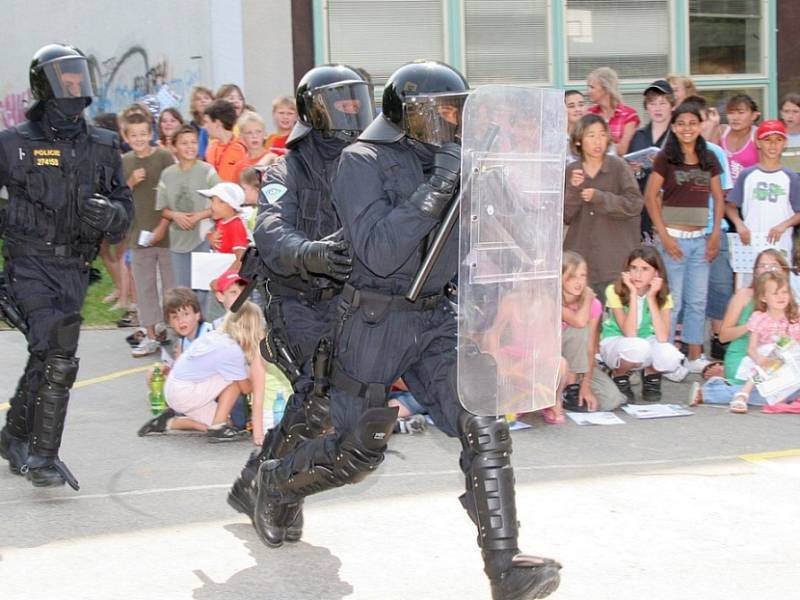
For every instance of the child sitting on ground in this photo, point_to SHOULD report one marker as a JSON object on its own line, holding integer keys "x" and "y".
{"x": 636, "y": 328}
{"x": 585, "y": 388}
{"x": 776, "y": 316}
{"x": 721, "y": 381}
{"x": 207, "y": 379}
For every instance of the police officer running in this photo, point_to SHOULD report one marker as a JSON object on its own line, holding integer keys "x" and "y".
{"x": 299, "y": 239}
{"x": 66, "y": 193}
{"x": 391, "y": 191}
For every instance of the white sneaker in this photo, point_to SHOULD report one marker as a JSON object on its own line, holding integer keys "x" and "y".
{"x": 698, "y": 364}
{"x": 678, "y": 374}
{"x": 145, "y": 348}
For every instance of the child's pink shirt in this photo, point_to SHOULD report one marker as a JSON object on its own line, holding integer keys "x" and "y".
{"x": 769, "y": 330}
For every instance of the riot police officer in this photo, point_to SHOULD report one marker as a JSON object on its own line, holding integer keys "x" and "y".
{"x": 299, "y": 239}
{"x": 390, "y": 192}
{"x": 66, "y": 193}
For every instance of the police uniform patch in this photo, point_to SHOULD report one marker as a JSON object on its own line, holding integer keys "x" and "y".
{"x": 46, "y": 157}
{"x": 273, "y": 191}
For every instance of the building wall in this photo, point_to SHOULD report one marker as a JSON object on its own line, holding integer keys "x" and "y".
{"x": 139, "y": 47}
{"x": 267, "y": 41}
{"x": 788, "y": 48}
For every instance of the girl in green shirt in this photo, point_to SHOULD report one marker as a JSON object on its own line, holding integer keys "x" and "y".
{"x": 636, "y": 328}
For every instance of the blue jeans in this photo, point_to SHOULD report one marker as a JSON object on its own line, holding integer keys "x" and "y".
{"x": 718, "y": 391}
{"x": 688, "y": 284}
{"x": 720, "y": 282}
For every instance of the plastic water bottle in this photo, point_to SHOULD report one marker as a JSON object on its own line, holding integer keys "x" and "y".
{"x": 278, "y": 407}
{"x": 158, "y": 403}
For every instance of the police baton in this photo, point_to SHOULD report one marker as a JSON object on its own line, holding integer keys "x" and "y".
{"x": 443, "y": 233}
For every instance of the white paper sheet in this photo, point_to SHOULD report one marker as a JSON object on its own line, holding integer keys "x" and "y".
{"x": 145, "y": 238}
{"x": 656, "y": 411}
{"x": 207, "y": 266}
{"x": 595, "y": 418}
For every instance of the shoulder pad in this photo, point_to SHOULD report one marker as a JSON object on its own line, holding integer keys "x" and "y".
{"x": 30, "y": 130}
{"x": 104, "y": 137}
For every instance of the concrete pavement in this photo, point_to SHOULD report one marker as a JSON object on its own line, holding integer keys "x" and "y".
{"x": 695, "y": 507}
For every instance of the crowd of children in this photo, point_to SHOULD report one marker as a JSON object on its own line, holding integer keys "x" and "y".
{"x": 702, "y": 182}
{"x": 646, "y": 262}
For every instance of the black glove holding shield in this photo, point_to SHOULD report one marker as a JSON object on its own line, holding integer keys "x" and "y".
{"x": 434, "y": 196}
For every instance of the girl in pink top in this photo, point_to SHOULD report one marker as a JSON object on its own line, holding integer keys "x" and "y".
{"x": 603, "y": 89}
{"x": 776, "y": 317}
{"x": 580, "y": 319}
{"x": 738, "y": 138}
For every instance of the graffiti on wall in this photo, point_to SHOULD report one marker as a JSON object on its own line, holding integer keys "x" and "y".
{"x": 12, "y": 108}
{"x": 119, "y": 81}
{"x": 132, "y": 77}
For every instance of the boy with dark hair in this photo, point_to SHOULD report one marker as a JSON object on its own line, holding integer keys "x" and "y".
{"x": 225, "y": 150}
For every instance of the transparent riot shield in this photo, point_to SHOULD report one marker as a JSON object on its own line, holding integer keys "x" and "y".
{"x": 510, "y": 229}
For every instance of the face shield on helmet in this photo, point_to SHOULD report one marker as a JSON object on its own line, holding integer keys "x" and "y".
{"x": 68, "y": 78}
{"x": 434, "y": 118}
{"x": 341, "y": 107}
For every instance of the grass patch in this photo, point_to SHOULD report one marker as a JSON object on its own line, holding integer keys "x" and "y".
{"x": 95, "y": 313}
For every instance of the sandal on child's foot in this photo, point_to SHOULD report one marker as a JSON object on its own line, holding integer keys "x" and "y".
{"x": 739, "y": 404}
{"x": 551, "y": 417}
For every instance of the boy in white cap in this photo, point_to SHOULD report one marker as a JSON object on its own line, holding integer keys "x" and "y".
{"x": 229, "y": 235}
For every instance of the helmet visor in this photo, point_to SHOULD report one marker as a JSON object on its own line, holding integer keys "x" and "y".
{"x": 69, "y": 78}
{"x": 434, "y": 118}
{"x": 343, "y": 106}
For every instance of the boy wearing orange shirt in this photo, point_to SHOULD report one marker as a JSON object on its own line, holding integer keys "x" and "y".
{"x": 224, "y": 149}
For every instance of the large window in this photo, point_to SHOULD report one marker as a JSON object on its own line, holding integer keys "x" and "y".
{"x": 725, "y": 37}
{"x": 382, "y": 35}
{"x": 630, "y": 36}
{"x": 506, "y": 41}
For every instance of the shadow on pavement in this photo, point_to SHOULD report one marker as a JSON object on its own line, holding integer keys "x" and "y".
{"x": 298, "y": 571}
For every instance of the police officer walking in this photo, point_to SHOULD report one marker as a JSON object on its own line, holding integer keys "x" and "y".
{"x": 391, "y": 191}
{"x": 66, "y": 193}
{"x": 299, "y": 239}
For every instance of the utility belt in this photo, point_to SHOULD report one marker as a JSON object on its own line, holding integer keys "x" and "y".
{"x": 17, "y": 248}
{"x": 311, "y": 296}
{"x": 376, "y": 302}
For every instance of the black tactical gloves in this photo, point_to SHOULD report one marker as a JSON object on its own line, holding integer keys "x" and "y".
{"x": 102, "y": 214}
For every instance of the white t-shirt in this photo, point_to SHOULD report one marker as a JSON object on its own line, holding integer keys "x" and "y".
{"x": 767, "y": 198}
{"x": 215, "y": 352}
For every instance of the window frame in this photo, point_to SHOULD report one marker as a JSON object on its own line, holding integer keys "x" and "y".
{"x": 549, "y": 28}
{"x": 763, "y": 58}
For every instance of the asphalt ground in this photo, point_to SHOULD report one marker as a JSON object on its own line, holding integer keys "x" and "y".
{"x": 704, "y": 506}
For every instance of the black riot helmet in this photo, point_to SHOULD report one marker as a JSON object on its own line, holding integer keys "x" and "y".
{"x": 333, "y": 99}
{"x": 59, "y": 71}
{"x": 422, "y": 100}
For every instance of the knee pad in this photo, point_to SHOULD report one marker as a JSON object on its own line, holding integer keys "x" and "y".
{"x": 358, "y": 454}
{"x": 61, "y": 370}
{"x": 484, "y": 434}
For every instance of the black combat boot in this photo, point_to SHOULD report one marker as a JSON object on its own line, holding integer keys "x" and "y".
{"x": 651, "y": 387}
{"x": 623, "y": 383}
{"x": 527, "y": 578}
{"x": 14, "y": 450}
{"x": 271, "y": 516}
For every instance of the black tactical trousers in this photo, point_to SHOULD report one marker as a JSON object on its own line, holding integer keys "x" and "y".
{"x": 50, "y": 293}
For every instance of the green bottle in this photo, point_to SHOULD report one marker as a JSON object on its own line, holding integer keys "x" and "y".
{"x": 157, "y": 402}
